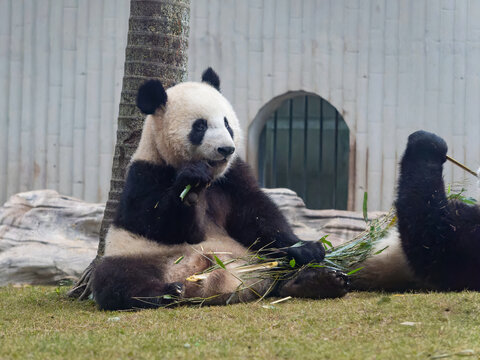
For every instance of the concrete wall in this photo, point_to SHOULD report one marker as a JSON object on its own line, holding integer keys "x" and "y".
{"x": 390, "y": 67}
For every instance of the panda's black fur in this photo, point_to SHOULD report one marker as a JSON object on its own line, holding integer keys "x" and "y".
{"x": 437, "y": 246}
{"x": 223, "y": 211}
{"x": 441, "y": 238}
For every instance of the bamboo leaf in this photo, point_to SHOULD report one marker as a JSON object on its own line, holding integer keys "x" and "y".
{"x": 219, "y": 262}
{"x": 179, "y": 259}
{"x": 292, "y": 263}
{"x": 324, "y": 240}
{"x": 311, "y": 265}
{"x": 365, "y": 200}
{"x": 380, "y": 251}
{"x": 354, "y": 271}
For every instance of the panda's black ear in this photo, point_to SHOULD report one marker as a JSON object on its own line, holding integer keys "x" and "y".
{"x": 209, "y": 76}
{"x": 151, "y": 96}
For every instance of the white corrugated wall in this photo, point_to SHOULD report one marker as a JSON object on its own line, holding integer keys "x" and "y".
{"x": 390, "y": 67}
{"x": 61, "y": 67}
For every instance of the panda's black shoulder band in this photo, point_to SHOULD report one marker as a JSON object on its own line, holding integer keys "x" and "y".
{"x": 151, "y": 96}
{"x": 210, "y": 77}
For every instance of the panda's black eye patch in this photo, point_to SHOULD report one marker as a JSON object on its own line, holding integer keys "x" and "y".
{"x": 227, "y": 125}
{"x": 197, "y": 132}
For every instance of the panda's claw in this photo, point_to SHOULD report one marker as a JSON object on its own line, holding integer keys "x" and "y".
{"x": 176, "y": 289}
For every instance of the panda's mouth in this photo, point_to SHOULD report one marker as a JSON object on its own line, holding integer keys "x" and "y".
{"x": 216, "y": 163}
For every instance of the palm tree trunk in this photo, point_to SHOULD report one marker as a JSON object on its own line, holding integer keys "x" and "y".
{"x": 156, "y": 48}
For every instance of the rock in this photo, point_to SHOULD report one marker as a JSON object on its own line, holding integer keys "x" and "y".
{"x": 46, "y": 237}
{"x": 308, "y": 224}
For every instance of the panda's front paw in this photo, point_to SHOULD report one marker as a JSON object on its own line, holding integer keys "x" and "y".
{"x": 308, "y": 252}
{"x": 426, "y": 146}
{"x": 196, "y": 174}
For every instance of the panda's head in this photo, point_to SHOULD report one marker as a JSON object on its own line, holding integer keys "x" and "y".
{"x": 191, "y": 121}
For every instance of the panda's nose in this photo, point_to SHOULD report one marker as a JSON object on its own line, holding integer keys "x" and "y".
{"x": 226, "y": 150}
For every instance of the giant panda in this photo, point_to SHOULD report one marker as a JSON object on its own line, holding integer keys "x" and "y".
{"x": 191, "y": 136}
{"x": 436, "y": 244}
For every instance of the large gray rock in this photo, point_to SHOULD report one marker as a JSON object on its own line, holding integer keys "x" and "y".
{"x": 311, "y": 224}
{"x": 46, "y": 237}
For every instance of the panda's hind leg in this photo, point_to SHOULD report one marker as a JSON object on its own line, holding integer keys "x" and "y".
{"x": 129, "y": 282}
{"x": 315, "y": 283}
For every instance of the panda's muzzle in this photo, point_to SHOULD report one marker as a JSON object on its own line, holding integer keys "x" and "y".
{"x": 226, "y": 151}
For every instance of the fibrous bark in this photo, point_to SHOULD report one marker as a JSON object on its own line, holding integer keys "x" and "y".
{"x": 156, "y": 48}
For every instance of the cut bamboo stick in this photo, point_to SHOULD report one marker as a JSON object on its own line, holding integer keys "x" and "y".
{"x": 462, "y": 166}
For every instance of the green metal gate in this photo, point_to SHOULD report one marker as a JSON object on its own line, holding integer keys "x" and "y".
{"x": 304, "y": 146}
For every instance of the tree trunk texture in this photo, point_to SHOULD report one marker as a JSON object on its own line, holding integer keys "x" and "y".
{"x": 156, "y": 48}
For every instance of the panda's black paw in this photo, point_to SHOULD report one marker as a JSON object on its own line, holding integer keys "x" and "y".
{"x": 308, "y": 252}
{"x": 175, "y": 289}
{"x": 316, "y": 283}
{"x": 171, "y": 292}
{"x": 196, "y": 174}
{"x": 426, "y": 146}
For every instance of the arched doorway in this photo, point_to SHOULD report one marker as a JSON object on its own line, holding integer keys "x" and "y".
{"x": 304, "y": 146}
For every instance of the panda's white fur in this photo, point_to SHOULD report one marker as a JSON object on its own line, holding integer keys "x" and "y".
{"x": 388, "y": 270}
{"x": 174, "y": 121}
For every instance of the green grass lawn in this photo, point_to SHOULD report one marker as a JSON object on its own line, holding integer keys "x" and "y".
{"x": 41, "y": 323}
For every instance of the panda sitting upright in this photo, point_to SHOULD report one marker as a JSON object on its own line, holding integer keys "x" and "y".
{"x": 190, "y": 137}
{"x": 437, "y": 245}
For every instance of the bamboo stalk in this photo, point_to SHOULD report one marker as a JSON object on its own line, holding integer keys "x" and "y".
{"x": 462, "y": 166}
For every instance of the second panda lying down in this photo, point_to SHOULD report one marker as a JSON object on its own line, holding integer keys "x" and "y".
{"x": 190, "y": 138}
{"x": 437, "y": 243}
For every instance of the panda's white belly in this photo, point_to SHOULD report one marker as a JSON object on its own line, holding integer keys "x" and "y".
{"x": 120, "y": 242}
{"x": 194, "y": 259}
{"x": 388, "y": 270}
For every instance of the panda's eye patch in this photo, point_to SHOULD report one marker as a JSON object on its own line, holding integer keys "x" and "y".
{"x": 227, "y": 126}
{"x": 199, "y": 127}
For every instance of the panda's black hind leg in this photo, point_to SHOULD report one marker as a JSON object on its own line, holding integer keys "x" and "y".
{"x": 315, "y": 283}
{"x": 426, "y": 146}
{"x": 123, "y": 282}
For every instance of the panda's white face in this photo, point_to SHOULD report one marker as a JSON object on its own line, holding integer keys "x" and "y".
{"x": 196, "y": 124}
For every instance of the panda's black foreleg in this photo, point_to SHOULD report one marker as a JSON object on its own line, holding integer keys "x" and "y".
{"x": 123, "y": 282}
{"x": 256, "y": 221}
{"x": 196, "y": 175}
{"x": 440, "y": 238}
{"x": 151, "y": 206}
